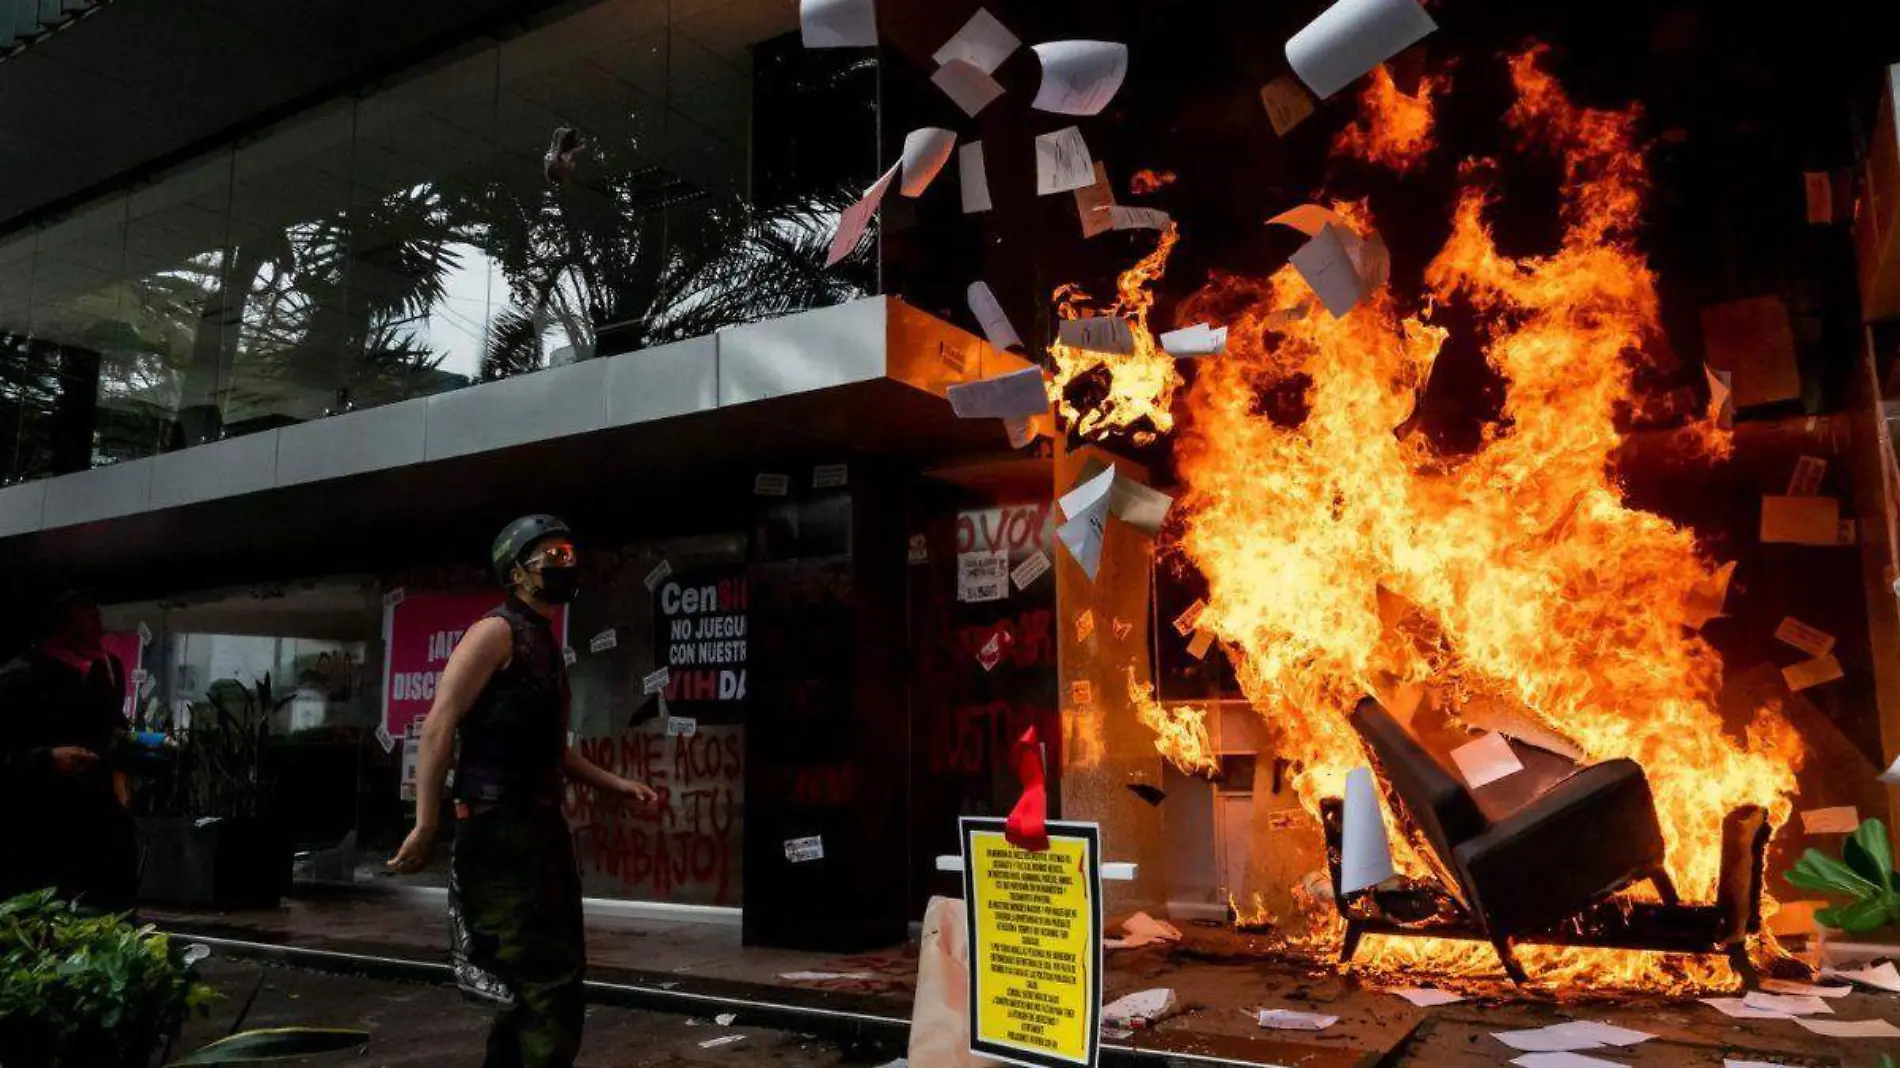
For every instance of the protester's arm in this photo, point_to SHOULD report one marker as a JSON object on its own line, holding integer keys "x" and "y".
{"x": 484, "y": 650}
{"x": 580, "y": 768}
{"x": 19, "y": 761}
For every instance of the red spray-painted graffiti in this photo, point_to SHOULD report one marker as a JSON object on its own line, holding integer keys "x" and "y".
{"x": 686, "y": 847}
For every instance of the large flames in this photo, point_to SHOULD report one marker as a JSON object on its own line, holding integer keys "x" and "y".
{"x": 1344, "y": 555}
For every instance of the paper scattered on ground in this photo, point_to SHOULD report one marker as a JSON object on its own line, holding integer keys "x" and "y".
{"x": 1608, "y": 1034}
{"x": 996, "y": 325}
{"x": 1145, "y": 1005}
{"x": 1752, "y": 1064}
{"x": 1328, "y": 269}
{"x": 983, "y": 43}
{"x": 1810, "y": 640}
{"x": 1197, "y": 340}
{"x": 1571, "y": 1035}
{"x": 973, "y": 178}
{"x": 1099, "y": 333}
{"x": 722, "y": 1040}
{"x": 1292, "y": 1020}
{"x": 1800, "y": 520}
{"x": 1486, "y": 760}
{"x": 1850, "y": 1028}
{"x": 725, "y": 1019}
{"x": 1365, "y": 856}
{"x": 857, "y": 217}
{"x": 1810, "y": 990}
{"x": 967, "y": 86}
{"x": 1881, "y": 977}
{"x": 1352, "y": 37}
{"x": 1811, "y": 673}
{"x": 1287, "y": 102}
{"x": 824, "y": 977}
{"x": 1790, "y": 1004}
{"x": 838, "y": 23}
{"x": 1423, "y": 997}
{"x": 1735, "y": 1008}
{"x": 1142, "y": 929}
{"x": 1564, "y": 1059}
{"x": 1079, "y": 77}
{"x": 1009, "y": 396}
{"x": 925, "y": 153}
{"x": 1844, "y": 819}
{"x": 1063, "y": 162}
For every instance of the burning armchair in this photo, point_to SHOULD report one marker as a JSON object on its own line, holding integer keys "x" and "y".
{"x": 1540, "y": 861}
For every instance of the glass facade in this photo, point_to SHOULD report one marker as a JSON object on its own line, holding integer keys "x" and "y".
{"x": 417, "y": 239}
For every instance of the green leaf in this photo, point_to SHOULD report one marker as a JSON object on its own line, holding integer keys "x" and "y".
{"x": 1818, "y": 871}
{"x": 1868, "y": 852}
{"x": 276, "y": 1043}
{"x": 1863, "y": 916}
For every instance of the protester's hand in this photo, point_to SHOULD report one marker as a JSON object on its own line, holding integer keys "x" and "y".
{"x": 638, "y": 792}
{"x": 415, "y": 852}
{"x": 73, "y": 759}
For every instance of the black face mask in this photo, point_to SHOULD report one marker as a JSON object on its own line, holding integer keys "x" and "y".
{"x": 559, "y": 585}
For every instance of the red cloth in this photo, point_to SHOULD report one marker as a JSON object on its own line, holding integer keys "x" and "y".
{"x": 1027, "y": 827}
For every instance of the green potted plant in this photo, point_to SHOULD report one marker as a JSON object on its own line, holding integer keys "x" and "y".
{"x": 79, "y": 990}
{"x": 207, "y": 823}
{"x": 1862, "y": 878}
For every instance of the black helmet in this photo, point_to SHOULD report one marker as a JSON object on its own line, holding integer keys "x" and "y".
{"x": 518, "y": 537}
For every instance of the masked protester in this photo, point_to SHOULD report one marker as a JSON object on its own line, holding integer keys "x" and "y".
{"x": 514, "y": 888}
{"x": 63, "y": 737}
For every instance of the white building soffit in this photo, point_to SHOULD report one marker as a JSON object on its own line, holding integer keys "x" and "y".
{"x": 875, "y": 339}
{"x": 24, "y": 21}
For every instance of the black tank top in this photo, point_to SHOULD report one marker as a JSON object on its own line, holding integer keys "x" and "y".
{"x": 512, "y": 737}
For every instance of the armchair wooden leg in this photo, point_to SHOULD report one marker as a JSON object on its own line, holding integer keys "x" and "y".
{"x": 1350, "y": 946}
{"x": 1738, "y": 959}
{"x": 1665, "y": 887}
{"x": 1502, "y": 943}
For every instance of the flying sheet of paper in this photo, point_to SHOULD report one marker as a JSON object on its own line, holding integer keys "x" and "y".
{"x": 1791, "y": 1004}
{"x": 1093, "y": 201}
{"x": 983, "y": 43}
{"x": 1083, "y": 536}
{"x": 1127, "y": 218}
{"x": 852, "y": 223}
{"x": 1800, "y": 521}
{"x": 925, "y": 153}
{"x": 1328, "y": 269}
{"x": 1843, "y": 819}
{"x": 1287, "y": 102}
{"x": 1721, "y": 397}
{"x": 1810, "y": 640}
{"x": 1709, "y": 598}
{"x": 1806, "y": 480}
{"x": 1079, "y": 77}
{"x": 1811, "y": 673}
{"x": 1496, "y": 716}
{"x": 1197, "y": 340}
{"x": 1101, "y": 333}
{"x": 1849, "y": 1028}
{"x": 1564, "y": 1059}
{"x": 1365, "y": 856}
{"x": 1352, "y": 37}
{"x": 1883, "y": 977}
{"x": 1807, "y": 990}
{"x": 1892, "y": 775}
{"x": 1421, "y": 996}
{"x": 967, "y": 86}
{"x": 1291, "y": 1020}
{"x": 1019, "y": 431}
{"x": 838, "y": 23}
{"x": 1062, "y": 162}
{"x": 973, "y": 178}
{"x": 1309, "y": 219}
{"x": 1090, "y": 494}
{"x": 989, "y": 314}
{"x": 1486, "y": 760}
{"x": 1733, "y": 1007}
{"x": 1203, "y": 641}
{"x": 1142, "y": 507}
{"x": 1009, "y": 396}
{"x": 1754, "y": 341}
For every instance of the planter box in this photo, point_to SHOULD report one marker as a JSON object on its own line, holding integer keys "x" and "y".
{"x": 220, "y": 863}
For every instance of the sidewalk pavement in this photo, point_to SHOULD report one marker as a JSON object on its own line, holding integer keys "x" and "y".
{"x": 1220, "y": 976}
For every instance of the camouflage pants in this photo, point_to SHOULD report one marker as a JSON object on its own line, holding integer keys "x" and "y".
{"x": 515, "y": 910}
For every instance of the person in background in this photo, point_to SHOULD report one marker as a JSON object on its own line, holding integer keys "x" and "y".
{"x": 514, "y": 887}
{"x": 63, "y": 734}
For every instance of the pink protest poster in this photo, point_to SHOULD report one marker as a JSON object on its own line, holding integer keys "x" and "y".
{"x": 131, "y": 653}
{"x": 420, "y": 630}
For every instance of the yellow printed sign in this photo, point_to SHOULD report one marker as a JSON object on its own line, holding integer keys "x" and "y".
{"x": 1035, "y": 924}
